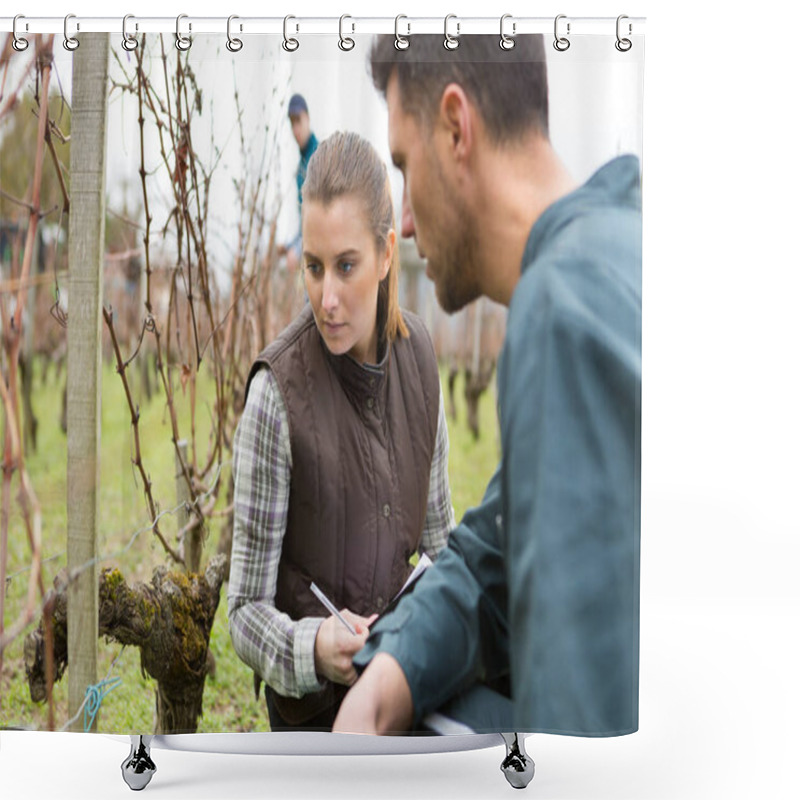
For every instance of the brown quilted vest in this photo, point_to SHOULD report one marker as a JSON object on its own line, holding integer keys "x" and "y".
{"x": 362, "y": 439}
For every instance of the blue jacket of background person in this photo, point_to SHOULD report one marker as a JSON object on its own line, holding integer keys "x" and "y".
{"x": 302, "y": 167}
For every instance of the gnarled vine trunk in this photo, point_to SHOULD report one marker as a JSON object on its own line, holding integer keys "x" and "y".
{"x": 169, "y": 620}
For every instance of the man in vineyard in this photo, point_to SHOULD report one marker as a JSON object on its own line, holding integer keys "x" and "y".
{"x": 539, "y": 585}
{"x": 307, "y": 143}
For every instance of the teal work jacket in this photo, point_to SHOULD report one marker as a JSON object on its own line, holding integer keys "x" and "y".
{"x": 540, "y": 583}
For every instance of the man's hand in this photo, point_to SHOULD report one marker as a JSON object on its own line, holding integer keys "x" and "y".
{"x": 335, "y": 647}
{"x": 380, "y": 702}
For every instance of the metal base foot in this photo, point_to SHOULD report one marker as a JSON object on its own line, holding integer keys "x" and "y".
{"x": 138, "y": 768}
{"x": 517, "y": 766}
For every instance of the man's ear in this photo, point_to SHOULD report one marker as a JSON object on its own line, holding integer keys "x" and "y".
{"x": 456, "y": 114}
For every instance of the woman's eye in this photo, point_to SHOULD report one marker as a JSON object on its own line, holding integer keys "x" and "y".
{"x": 313, "y": 268}
{"x": 346, "y": 266}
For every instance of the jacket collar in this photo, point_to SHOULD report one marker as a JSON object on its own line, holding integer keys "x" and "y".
{"x": 364, "y": 384}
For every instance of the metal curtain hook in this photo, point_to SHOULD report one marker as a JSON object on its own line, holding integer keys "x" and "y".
{"x": 451, "y": 42}
{"x": 19, "y": 43}
{"x": 233, "y": 44}
{"x": 182, "y": 42}
{"x": 401, "y": 42}
{"x": 623, "y": 45}
{"x": 561, "y": 43}
{"x": 129, "y": 42}
{"x": 507, "y": 42}
{"x": 289, "y": 44}
{"x": 345, "y": 42}
{"x": 70, "y": 42}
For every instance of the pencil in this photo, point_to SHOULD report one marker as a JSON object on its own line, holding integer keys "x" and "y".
{"x": 332, "y": 608}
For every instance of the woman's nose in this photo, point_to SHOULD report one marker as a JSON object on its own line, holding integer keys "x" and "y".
{"x": 330, "y": 292}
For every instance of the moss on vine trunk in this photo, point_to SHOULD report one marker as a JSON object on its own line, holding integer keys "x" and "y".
{"x": 168, "y": 619}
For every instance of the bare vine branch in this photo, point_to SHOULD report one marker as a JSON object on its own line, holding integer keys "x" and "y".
{"x": 13, "y": 456}
{"x": 137, "y": 459}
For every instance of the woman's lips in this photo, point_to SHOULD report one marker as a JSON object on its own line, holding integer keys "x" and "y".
{"x": 333, "y": 327}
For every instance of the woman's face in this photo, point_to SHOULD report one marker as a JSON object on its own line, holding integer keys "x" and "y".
{"x": 342, "y": 270}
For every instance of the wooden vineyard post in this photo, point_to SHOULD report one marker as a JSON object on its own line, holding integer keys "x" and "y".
{"x": 86, "y": 245}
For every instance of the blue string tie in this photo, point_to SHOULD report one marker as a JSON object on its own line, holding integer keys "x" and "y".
{"x": 94, "y": 699}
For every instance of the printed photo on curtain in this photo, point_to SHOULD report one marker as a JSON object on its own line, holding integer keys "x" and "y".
{"x": 321, "y": 383}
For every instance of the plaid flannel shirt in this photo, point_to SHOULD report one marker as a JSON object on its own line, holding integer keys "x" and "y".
{"x": 279, "y": 648}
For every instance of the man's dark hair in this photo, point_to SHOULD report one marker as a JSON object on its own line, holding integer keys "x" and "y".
{"x": 509, "y": 87}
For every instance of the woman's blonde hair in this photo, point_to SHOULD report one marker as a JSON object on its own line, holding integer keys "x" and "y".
{"x": 347, "y": 164}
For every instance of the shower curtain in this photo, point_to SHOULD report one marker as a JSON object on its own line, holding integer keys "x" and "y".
{"x": 153, "y": 244}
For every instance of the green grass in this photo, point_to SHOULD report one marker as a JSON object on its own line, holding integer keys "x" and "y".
{"x": 228, "y": 703}
{"x": 472, "y": 461}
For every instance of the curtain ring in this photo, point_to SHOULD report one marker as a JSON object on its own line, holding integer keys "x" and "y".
{"x": 19, "y": 43}
{"x": 507, "y": 42}
{"x": 345, "y": 42}
{"x": 623, "y": 45}
{"x": 70, "y": 42}
{"x": 233, "y": 44}
{"x": 129, "y": 41}
{"x": 182, "y": 42}
{"x": 289, "y": 45}
{"x": 451, "y": 42}
{"x": 561, "y": 43}
{"x": 401, "y": 42}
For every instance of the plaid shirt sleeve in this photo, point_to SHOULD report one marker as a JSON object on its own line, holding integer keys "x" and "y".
{"x": 277, "y": 647}
{"x": 440, "y": 518}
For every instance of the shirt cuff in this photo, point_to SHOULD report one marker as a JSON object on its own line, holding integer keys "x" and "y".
{"x": 305, "y": 634}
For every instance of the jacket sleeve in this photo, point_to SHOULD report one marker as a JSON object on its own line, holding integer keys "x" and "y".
{"x": 278, "y": 648}
{"x": 440, "y": 517}
{"x": 570, "y": 391}
{"x": 451, "y": 629}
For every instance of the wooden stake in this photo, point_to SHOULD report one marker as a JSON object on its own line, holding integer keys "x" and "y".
{"x": 86, "y": 244}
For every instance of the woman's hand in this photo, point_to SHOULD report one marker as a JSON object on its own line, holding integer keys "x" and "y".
{"x": 335, "y": 647}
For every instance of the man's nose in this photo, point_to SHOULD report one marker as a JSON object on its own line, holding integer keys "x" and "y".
{"x": 407, "y": 219}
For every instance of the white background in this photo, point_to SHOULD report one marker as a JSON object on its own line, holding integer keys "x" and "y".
{"x": 720, "y": 553}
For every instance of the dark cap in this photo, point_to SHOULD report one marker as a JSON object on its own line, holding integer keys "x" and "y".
{"x": 297, "y": 103}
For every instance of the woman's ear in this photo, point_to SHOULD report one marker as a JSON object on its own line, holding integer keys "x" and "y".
{"x": 391, "y": 243}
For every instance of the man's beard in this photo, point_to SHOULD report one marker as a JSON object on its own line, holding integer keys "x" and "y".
{"x": 457, "y": 283}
